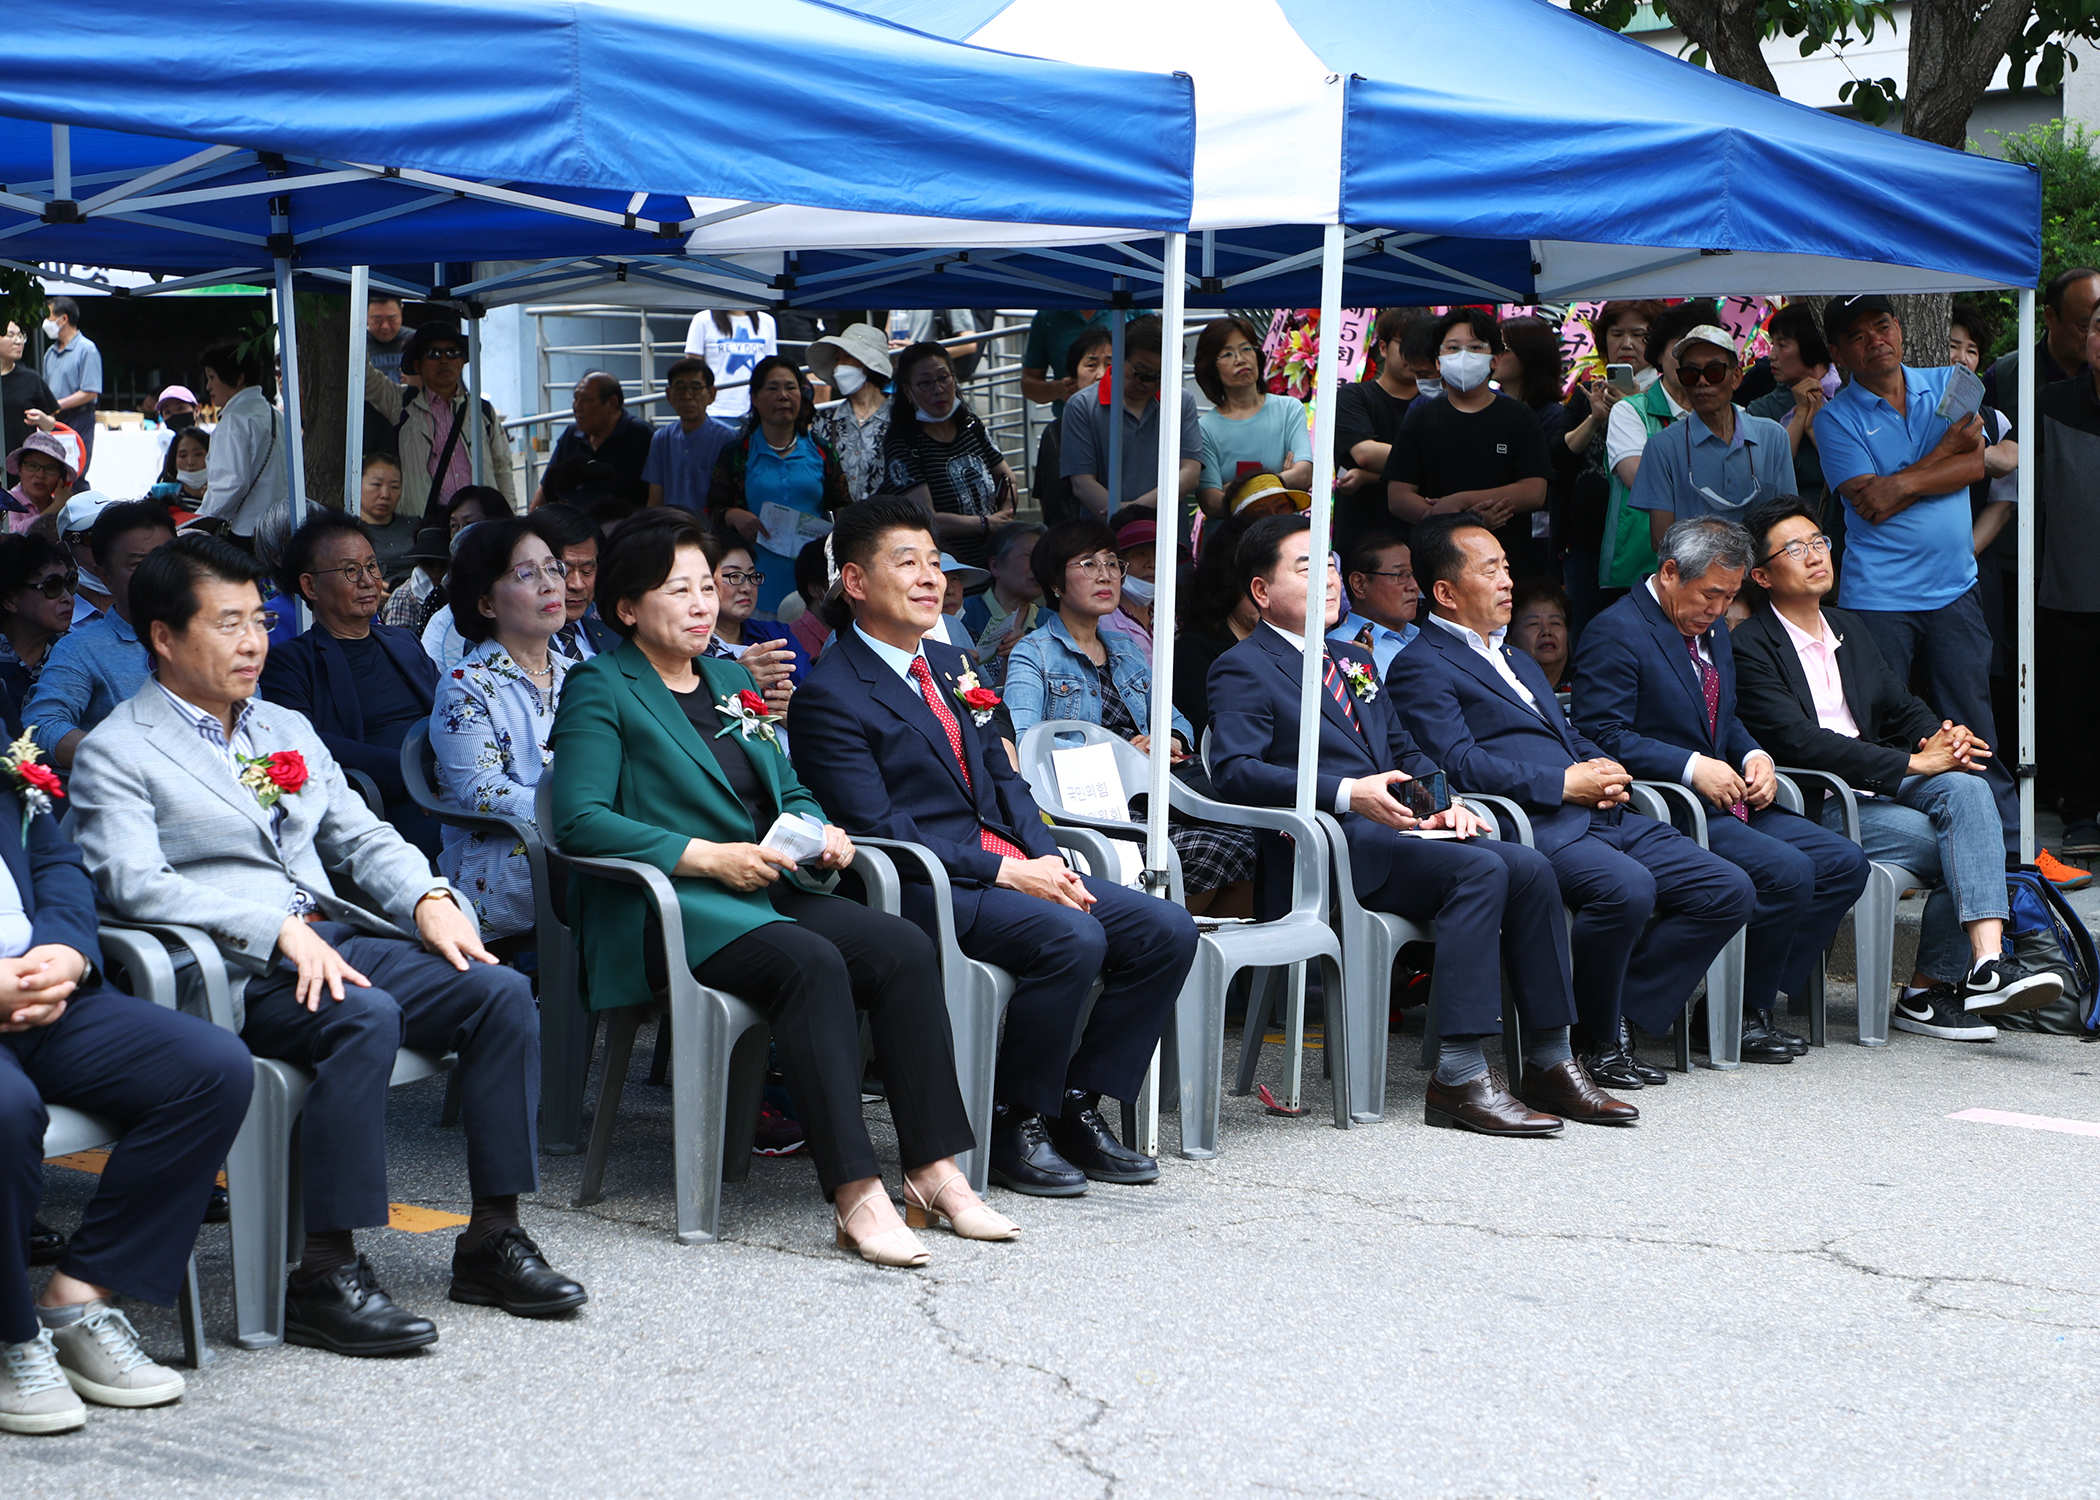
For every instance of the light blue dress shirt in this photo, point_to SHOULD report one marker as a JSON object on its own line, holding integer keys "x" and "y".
{"x": 1383, "y": 642}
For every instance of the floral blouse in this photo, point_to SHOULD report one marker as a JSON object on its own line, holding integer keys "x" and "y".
{"x": 491, "y": 731}
{"x": 858, "y": 445}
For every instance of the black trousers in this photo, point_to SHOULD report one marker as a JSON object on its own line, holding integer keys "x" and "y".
{"x": 810, "y": 975}
{"x": 177, "y": 1086}
{"x": 2068, "y": 721}
{"x": 486, "y": 1015}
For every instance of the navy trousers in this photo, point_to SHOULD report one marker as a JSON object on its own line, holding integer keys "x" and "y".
{"x": 486, "y": 1015}
{"x": 1617, "y": 877}
{"x": 1496, "y": 907}
{"x": 1807, "y": 879}
{"x": 1953, "y": 645}
{"x": 1142, "y": 946}
{"x": 177, "y": 1086}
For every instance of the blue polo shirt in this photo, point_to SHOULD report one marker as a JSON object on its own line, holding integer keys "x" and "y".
{"x": 684, "y": 462}
{"x": 1688, "y": 471}
{"x": 1919, "y": 558}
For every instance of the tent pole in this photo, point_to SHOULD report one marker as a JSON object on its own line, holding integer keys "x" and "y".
{"x": 1115, "y": 407}
{"x": 2025, "y": 519}
{"x": 1309, "y": 683}
{"x": 354, "y": 388}
{"x": 477, "y": 430}
{"x": 288, "y": 365}
{"x": 1168, "y": 552}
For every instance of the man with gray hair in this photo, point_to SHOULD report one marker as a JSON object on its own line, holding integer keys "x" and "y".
{"x": 1655, "y": 689}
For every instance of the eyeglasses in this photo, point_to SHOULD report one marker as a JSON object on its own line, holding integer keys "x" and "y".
{"x": 1801, "y": 549}
{"x": 261, "y": 624}
{"x": 450, "y": 351}
{"x": 555, "y": 570}
{"x": 31, "y": 466}
{"x": 737, "y": 578}
{"x": 1407, "y": 573}
{"x": 355, "y": 573}
{"x": 690, "y": 387}
{"x": 938, "y": 379}
{"x": 1094, "y": 567}
{"x": 57, "y": 586}
{"x": 1237, "y": 353}
{"x": 1712, "y": 374}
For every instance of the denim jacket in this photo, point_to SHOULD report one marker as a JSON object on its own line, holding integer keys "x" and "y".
{"x": 1049, "y": 677}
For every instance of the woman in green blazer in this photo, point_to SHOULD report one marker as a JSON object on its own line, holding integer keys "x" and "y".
{"x": 656, "y": 760}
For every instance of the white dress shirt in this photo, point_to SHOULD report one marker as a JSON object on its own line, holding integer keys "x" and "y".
{"x": 1490, "y": 650}
{"x": 1691, "y": 761}
{"x": 1341, "y": 794}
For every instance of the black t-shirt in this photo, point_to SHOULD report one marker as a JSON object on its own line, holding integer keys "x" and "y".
{"x": 21, "y": 390}
{"x": 1364, "y": 412}
{"x": 581, "y": 475}
{"x": 387, "y": 698}
{"x": 1444, "y": 451}
{"x": 736, "y": 764}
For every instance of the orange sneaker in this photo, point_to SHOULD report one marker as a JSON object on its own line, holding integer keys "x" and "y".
{"x": 2064, "y": 877}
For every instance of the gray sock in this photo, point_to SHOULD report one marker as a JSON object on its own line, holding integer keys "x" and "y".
{"x": 1459, "y": 1061}
{"x": 1547, "y": 1048}
{"x": 61, "y": 1317}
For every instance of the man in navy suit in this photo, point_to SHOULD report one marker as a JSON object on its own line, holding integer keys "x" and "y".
{"x": 1656, "y": 690}
{"x": 1495, "y": 904}
{"x": 176, "y": 1086}
{"x": 887, "y": 730}
{"x": 1487, "y": 714}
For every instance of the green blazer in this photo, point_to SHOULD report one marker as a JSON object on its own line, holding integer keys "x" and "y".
{"x": 632, "y": 781}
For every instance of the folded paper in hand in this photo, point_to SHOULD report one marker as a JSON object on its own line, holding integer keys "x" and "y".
{"x": 799, "y": 837}
{"x": 786, "y": 531}
{"x": 1964, "y": 396}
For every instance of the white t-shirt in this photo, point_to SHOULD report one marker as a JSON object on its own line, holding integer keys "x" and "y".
{"x": 731, "y": 356}
{"x": 1626, "y": 435}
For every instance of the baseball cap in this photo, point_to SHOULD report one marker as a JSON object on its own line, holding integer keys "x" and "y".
{"x": 78, "y": 513}
{"x": 1705, "y": 333}
{"x": 175, "y": 393}
{"x": 1840, "y": 313}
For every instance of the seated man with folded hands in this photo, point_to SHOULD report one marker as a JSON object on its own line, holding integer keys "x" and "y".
{"x": 199, "y": 804}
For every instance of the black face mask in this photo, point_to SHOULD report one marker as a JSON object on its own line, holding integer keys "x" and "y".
{"x": 179, "y": 421}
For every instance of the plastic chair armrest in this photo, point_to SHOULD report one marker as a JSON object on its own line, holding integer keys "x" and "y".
{"x": 1789, "y": 796}
{"x": 204, "y": 952}
{"x": 367, "y": 788}
{"x": 878, "y": 875}
{"x": 145, "y": 957}
{"x": 1097, "y": 846}
{"x": 1663, "y": 794}
{"x": 1837, "y": 786}
{"x": 669, "y": 915}
{"x": 1513, "y": 820}
{"x": 937, "y": 876}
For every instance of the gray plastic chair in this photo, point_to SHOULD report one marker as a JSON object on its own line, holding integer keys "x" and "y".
{"x": 568, "y": 1032}
{"x": 1196, "y": 1042}
{"x": 151, "y": 974}
{"x": 1814, "y": 1000}
{"x": 1724, "y": 976}
{"x": 977, "y": 993}
{"x": 1873, "y": 915}
{"x": 366, "y": 788}
{"x": 263, "y": 1187}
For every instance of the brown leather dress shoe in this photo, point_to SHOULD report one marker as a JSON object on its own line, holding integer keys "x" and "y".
{"x": 1566, "y": 1090}
{"x": 1483, "y": 1105}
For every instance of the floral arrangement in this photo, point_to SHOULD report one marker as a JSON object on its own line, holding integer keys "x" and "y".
{"x": 273, "y": 777}
{"x": 747, "y": 714}
{"x": 1362, "y": 681}
{"x": 981, "y": 701}
{"x": 35, "y": 783}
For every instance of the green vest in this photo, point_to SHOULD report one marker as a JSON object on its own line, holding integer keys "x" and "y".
{"x": 1628, "y": 553}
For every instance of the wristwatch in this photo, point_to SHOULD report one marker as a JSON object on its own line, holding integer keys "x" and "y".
{"x": 433, "y": 894}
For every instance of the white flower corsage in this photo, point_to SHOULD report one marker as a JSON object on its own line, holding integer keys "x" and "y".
{"x": 1360, "y": 679}
{"x": 747, "y": 712}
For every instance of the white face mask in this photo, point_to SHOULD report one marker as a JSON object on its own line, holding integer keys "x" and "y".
{"x": 1430, "y": 388}
{"x": 192, "y": 478}
{"x": 50, "y": 328}
{"x": 849, "y": 378}
{"x": 1137, "y": 591}
{"x": 942, "y": 416}
{"x": 1465, "y": 371}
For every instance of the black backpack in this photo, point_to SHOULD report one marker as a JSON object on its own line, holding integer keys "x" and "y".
{"x": 2047, "y": 937}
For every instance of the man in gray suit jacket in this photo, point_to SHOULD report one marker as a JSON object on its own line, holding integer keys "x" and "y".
{"x": 200, "y": 804}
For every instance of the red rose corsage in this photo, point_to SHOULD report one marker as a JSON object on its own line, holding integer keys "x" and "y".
{"x": 36, "y": 784}
{"x": 281, "y": 773}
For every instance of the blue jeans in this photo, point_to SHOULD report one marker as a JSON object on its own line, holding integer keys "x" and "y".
{"x": 1953, "y": 644}
{"x": 1944, "y": 829}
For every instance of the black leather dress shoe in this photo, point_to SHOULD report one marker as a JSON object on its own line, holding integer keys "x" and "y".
{"x": 217, "y": 1210}
{"x": 1023, "y": 1159}
{"x": 1760, "y": 1043}
{"x": 1648, "y": 1073}
{"x": 1798, "y": 1045}
{"x": 47, "y": 1247}
{"x": 507, "y": 1270}
{"x": 348, "y": 1312}
{"x": 1087, "y": 1143}
{"x": 1612, "y": 1068}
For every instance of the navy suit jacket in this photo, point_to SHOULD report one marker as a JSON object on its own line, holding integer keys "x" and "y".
{"x": 57, "y": 894}
{"x": 310, "y": 674}
{"x": 1487, "y": 738}
{"x": 1254, "y": 741}
{"x": 1639, "y": 699}
{"x": 865, "y": 742}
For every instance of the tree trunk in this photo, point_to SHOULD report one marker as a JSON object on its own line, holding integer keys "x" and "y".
{"x": 1953, "y": 52}
{"x": 1928, "y": 320}
{"x": 324, "y": 338}
{"x": 1732, "y": 34}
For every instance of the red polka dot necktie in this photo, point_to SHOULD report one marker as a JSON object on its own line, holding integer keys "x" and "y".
{"x": 991, "y": 842}
{"x": 1710, "y": 682}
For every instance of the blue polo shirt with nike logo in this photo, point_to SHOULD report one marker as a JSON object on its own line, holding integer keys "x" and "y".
{"x": 1920, "y": 558}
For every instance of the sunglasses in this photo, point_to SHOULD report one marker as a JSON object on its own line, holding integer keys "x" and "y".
{"x": 449, "y": 352}
{"x": 57, "y": 586}
{"x": 1714, "y": 374}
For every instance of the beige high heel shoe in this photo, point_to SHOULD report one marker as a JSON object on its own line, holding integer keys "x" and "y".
{"x": 977, "y": 1222}
{"x": 892, "y": 1247}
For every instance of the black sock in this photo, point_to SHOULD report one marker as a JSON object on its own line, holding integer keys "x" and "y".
{"x": 326, "y": 1250}
{"x": 489, "y": 1218}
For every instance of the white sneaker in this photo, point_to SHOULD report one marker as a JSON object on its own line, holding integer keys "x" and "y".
{"x": 34, "y": 1396}
{"x": 102, "y": 1358}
